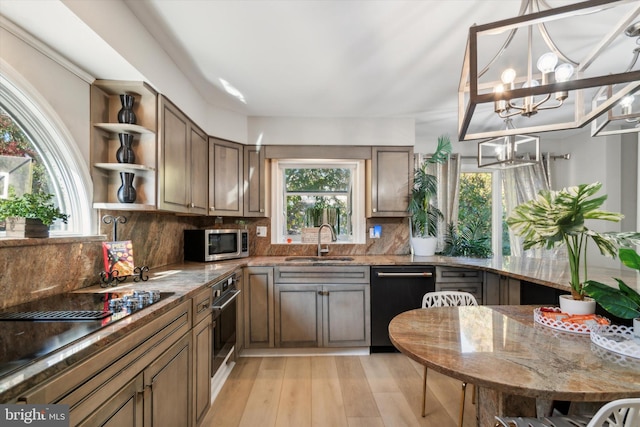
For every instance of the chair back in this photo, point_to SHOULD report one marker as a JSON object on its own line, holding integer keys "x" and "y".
{"x": 448, "y": 299}
{"x": 618, "y": 413}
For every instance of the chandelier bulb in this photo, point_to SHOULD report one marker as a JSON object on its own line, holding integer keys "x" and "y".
{"x": 508, "y": 76}
{"x": 564, "y": 72}
{"x": 547, "y": 62}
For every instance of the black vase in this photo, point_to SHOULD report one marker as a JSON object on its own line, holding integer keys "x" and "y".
{"x": 125, "y": 154}
{"x": 126, "y": 192}
{"x": 126, "y": 114}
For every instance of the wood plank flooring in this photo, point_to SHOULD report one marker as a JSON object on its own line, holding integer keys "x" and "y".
{"x": 381, "y": 389}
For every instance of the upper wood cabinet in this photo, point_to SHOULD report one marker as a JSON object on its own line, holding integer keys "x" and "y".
{"x": 183, "y": 162}
{"x": 389, "y": 180}
{"x": 225, "y": 178}
{"x": 256, "y": 182}
{"x": 106, "y": 170}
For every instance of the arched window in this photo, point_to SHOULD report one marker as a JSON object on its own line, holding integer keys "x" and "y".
{"x": 37, "y": 153}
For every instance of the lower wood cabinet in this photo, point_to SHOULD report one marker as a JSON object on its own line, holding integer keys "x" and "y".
{"x": 333, "y": 315}
{"x": 168, "y": 387}
{"x": 461, "y": 279}
{"x": 158, "y": 375}
{"x": 258, "y": 307}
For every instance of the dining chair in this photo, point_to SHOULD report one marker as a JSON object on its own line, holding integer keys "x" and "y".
{"x": 617, "y": 413}
{"x": 446, "y": 299}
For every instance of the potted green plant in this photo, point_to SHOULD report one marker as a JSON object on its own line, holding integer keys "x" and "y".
{"x": 424, "y": 214}
{"x": 557, "y": 218}
{"x": 624, "y": 301}
{"x": 30, "y": 215}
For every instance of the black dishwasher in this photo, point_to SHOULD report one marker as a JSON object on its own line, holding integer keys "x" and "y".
{"x": 395, "y": 289}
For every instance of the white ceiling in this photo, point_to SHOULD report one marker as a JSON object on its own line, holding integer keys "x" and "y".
{"x": 317, "y": 58}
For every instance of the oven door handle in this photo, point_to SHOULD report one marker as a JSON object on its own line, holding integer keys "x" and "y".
{"x": 229, "y": 300}
{"x": 421, "y": 274}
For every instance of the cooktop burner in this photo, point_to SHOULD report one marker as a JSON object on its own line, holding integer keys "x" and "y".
{"x": 32, "y": 330}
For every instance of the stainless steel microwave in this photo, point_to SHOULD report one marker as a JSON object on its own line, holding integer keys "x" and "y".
{"x": 215, "y": 244}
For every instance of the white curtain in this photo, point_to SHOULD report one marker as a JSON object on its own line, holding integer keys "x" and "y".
{"x": 448, "y": 175}
{"x": 522, "y": 184}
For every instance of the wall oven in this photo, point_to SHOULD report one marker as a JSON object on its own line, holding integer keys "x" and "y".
{"x": 225, "y": 294}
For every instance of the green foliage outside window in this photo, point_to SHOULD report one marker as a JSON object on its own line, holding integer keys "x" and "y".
{"x": 312, "y": 192}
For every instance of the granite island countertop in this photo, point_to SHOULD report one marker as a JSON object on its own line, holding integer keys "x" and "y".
{"x": 186, "y": 279}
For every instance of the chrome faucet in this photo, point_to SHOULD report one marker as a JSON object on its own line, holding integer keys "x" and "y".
{"x": 333, "y": 239}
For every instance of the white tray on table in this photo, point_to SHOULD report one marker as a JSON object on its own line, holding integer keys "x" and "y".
{"x": 576, "y": 328}
{"x": 617, "y": 338}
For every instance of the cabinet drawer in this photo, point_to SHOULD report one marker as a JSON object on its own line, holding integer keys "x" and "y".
{"x": 322, "y": 275}
{"x": 202, "y": 305}
{"x": 473, "y": 288}
{"x": 457, "y": 275}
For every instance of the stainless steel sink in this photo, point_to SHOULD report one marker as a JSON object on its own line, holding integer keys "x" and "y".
{"x": 318, "y": 258}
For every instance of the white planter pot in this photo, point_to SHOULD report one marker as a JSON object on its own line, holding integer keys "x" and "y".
{"x": 636, "y": 327}
{"x": 572, "y": 306}
{"x": 424, "y": 246}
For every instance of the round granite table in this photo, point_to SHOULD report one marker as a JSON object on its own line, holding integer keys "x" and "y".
{"x": 516, "y": 364}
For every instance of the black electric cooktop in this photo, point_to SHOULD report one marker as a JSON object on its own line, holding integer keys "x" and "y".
{"x": 33, "y": 330}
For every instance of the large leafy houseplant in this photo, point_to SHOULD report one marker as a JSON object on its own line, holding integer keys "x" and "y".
{"x": 424, "y": 214}
{"x": 32, "y": 205}
{"x": 557, "y": 218}
{"x": 623, "y": 302}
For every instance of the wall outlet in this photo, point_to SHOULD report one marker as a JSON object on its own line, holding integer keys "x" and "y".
{"x": 261, "y": 231}
{"x": 375, "y": 232}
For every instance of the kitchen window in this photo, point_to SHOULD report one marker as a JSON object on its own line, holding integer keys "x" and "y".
{"x": 35, "y": 155}
{"x": 308, "y": 193}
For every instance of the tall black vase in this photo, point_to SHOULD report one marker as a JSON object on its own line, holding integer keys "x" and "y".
{"x": 126, "y": 192}
{"x": 125, "y": 154}
{"x": 126, "y": 114}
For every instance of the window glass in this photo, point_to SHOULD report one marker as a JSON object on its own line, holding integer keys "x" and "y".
{"x": 37, "y": 154}
{"x": 312, "y": 193}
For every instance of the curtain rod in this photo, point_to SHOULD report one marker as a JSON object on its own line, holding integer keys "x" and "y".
{"x": 565, "y": 156}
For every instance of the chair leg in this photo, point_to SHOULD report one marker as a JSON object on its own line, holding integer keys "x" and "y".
{"x": 464, "y": 390}
{"x": 424, "y": 393}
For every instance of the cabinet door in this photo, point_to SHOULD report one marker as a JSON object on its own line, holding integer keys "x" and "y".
{"x": 122, "y": 409}
{"x": 174, "y": 158}
{"x": 390, "y": 175}
{"x": 201, "y": 369}
{"x": 199, "y": 152}
{"x": 258, "y": 307}
{"x": 346, "y": 315}
{"x": 225, "y": 178}
{"x": 298, "y": 316}
{"x": 168, "y": 387}
{"x": 256, "y": 176}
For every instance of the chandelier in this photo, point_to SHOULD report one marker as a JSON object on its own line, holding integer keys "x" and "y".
{"x": 514, "y": 69}
{"x": 509, "y": 151}
{"x": 624, "y": 116}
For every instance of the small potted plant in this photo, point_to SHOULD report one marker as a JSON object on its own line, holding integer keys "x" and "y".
{"x": 30, "y": 215}
{"x": 557, "y": 218}
{"x": 424, "y": 214}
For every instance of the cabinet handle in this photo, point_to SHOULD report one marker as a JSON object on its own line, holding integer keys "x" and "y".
{"x": 323, "y": 293}
{"x": 374, "y": 210}
{"x": 212, "y": 208}
{"x": 420, "y": 274}
{"x": 261, "y": 210}
{"x": 193, "y": 205}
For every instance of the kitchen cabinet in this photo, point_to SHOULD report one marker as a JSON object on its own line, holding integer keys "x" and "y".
{"x": 226, "y": 185}
{"x": 202, "y": 353}
{"x": 322, "y": 307}
{"x": 156, "y": 375}
{"x": 258, "y": 307}
{"x": 183, "y": 162}
{"x": 501, "y": 289}
{"x": 256, "y": 182}
{"x": 167, "y": 387}
{"x": 460, "y": 279}
{"x": 389, "y": 181}
{"x": 104, "y": 142}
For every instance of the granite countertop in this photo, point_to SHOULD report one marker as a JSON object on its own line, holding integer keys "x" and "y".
{"x": 186, "y": 279}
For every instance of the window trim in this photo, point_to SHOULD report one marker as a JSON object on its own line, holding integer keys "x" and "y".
{"x": 358, "y": 205}
{"x": 64, "y": 161}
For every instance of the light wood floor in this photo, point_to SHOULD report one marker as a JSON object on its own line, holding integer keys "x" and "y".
{"x": 376, "y": 390}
